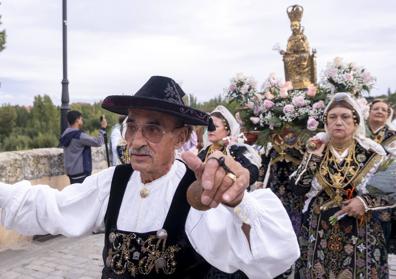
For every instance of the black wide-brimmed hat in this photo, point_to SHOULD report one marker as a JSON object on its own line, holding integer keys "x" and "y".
{"x": 161, "y": 94}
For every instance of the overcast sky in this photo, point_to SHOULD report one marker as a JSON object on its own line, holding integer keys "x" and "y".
{"x": 115, "y": 46}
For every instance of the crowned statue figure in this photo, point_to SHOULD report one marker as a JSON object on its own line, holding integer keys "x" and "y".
{"x": 299, "y": 60}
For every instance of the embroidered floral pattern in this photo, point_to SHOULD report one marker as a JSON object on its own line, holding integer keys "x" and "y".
{"x": 172, "y": 95}
{"x": 351, "y": 248}
{"x": 129, "y": 253}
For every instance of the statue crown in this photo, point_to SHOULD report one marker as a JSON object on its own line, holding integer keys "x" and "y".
{"x": 295, "y": 12}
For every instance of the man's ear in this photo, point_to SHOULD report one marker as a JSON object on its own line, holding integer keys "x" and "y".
{"x": 181, "y": 137}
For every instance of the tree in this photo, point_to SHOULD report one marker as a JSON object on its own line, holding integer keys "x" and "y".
{"x": 7, "y": 120}
{"x": 44, "y": 116}
{"x": 2, "y": 37}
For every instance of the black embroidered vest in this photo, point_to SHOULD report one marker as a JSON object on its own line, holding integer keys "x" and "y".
{"x": 166, "y": 253}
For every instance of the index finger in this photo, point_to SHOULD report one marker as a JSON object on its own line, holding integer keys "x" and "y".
{"x": 209, "y": 172}
{"x": 193, "y": 162}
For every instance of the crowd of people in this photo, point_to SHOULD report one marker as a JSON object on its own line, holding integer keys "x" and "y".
{"x": 182, "y": 202}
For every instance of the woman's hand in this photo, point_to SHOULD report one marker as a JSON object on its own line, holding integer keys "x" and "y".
{"x": 315, "y": 146}
{"x": 353, "y": 208}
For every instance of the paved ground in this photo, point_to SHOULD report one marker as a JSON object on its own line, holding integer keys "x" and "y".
{"x": 67, "y": 258}
{"x": 58, "y": 258}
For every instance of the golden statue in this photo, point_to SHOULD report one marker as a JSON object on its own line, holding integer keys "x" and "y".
{"x": 299, "y": 62}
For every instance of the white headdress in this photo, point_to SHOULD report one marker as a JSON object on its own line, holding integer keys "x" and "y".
{"x": 235, "y": 136}
{"x": 388, "y": 122}
{"x": 360, "y": 133}
{"x": 234, "y": 126}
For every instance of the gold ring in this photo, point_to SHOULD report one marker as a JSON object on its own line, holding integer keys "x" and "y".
{"x": 231, "y": 176}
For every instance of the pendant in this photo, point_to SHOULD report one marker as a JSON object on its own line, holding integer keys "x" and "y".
{"x": 144, "y": 192}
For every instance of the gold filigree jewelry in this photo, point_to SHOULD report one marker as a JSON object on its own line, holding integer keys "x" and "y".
{"x": 379, "y": 136}
{"x": 213, "y": 148}
{"x": 144, "y": 192}
{"x": 340, "y": 148}
{"x": 336, "y": 176}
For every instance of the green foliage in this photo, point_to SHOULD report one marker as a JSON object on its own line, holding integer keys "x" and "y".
{"x": 91, "y": 116}
{"x": 39, "y": 126}
{"x": 211, "y": 104}
{"x": 44, "y": 115}
{"x": 390, "y": 97}
{"x": 8, "y": 118}
{"x": 16, "y": 142}
{"x": 46, "y": 139}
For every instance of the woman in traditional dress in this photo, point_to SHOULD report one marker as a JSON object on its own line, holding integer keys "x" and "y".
{"x": 339, "y": 236}
{"x": 225, "y": 139}
{"x": 381, "y": 130}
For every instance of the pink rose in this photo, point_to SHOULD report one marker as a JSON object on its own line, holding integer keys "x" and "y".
{"x": 367, "y": 78}
{"x": 298, "y": 101}
{"x": 331, "y": 73}
{"x": 288, "y": 109}
{"x": 255, "y": 120}
{"x": 312, "y": 124}
{"x": 311, "y": 91}
{"x": 268, "y": 104}
{"x": 268, "y": 95}
{"x": 249, "y": 105}
{"x": 348, "y": 76}
{"x": 232, "y": 88}
{"x": 318, "y": 105}
{"x": 283, "y": 92}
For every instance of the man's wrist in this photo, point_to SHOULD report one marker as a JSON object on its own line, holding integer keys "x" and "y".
{"x": 241, "y": 209}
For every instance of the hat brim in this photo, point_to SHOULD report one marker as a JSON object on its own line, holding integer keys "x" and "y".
{"x": 121, "y": 103}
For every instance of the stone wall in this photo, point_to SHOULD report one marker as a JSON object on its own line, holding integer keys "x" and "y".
{"x": 39, "y": 166}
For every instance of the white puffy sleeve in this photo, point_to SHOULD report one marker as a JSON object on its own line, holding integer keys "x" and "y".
{"x": 40, "y": 209}
{"x": 216, "y": 235}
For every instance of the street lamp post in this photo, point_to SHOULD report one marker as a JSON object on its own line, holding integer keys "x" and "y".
{"x": 65, "y": 82}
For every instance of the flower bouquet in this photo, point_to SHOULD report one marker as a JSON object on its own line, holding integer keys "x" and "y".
{"x": 346, "y": 77}
{"x": 279, "y": 113}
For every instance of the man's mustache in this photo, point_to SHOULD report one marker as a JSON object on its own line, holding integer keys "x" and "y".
{"x": 139, "y": 151}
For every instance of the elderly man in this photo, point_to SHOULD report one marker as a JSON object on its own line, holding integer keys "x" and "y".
{"x": 151, "y": 231}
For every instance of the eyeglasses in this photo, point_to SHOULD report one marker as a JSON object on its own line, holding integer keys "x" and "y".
{"x": 151, "y": 132}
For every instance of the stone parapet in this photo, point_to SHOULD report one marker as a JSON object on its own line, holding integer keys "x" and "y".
{"x": 39, "y": 166}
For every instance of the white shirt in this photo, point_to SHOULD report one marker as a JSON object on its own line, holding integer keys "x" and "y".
{"x": 215, "y": 234}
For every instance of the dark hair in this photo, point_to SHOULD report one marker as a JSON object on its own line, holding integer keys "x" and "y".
{"x": 381, "y": 101}
{"x": 72, "y": 116}
{"x": 225, "y": 122}
{"x": 121, "y": 118}
{"x": 343, "y": 104}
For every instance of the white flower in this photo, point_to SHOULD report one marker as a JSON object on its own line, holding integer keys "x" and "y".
{"x": 255, "y": 120}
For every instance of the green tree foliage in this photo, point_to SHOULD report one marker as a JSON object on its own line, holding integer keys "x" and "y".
{"x": 44, "y": 115}
{"x": 39, "y": 126}
{"x": 91, "y": 116}
{"x": 8, "y": 118}
{"x": 2, "y": 37}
